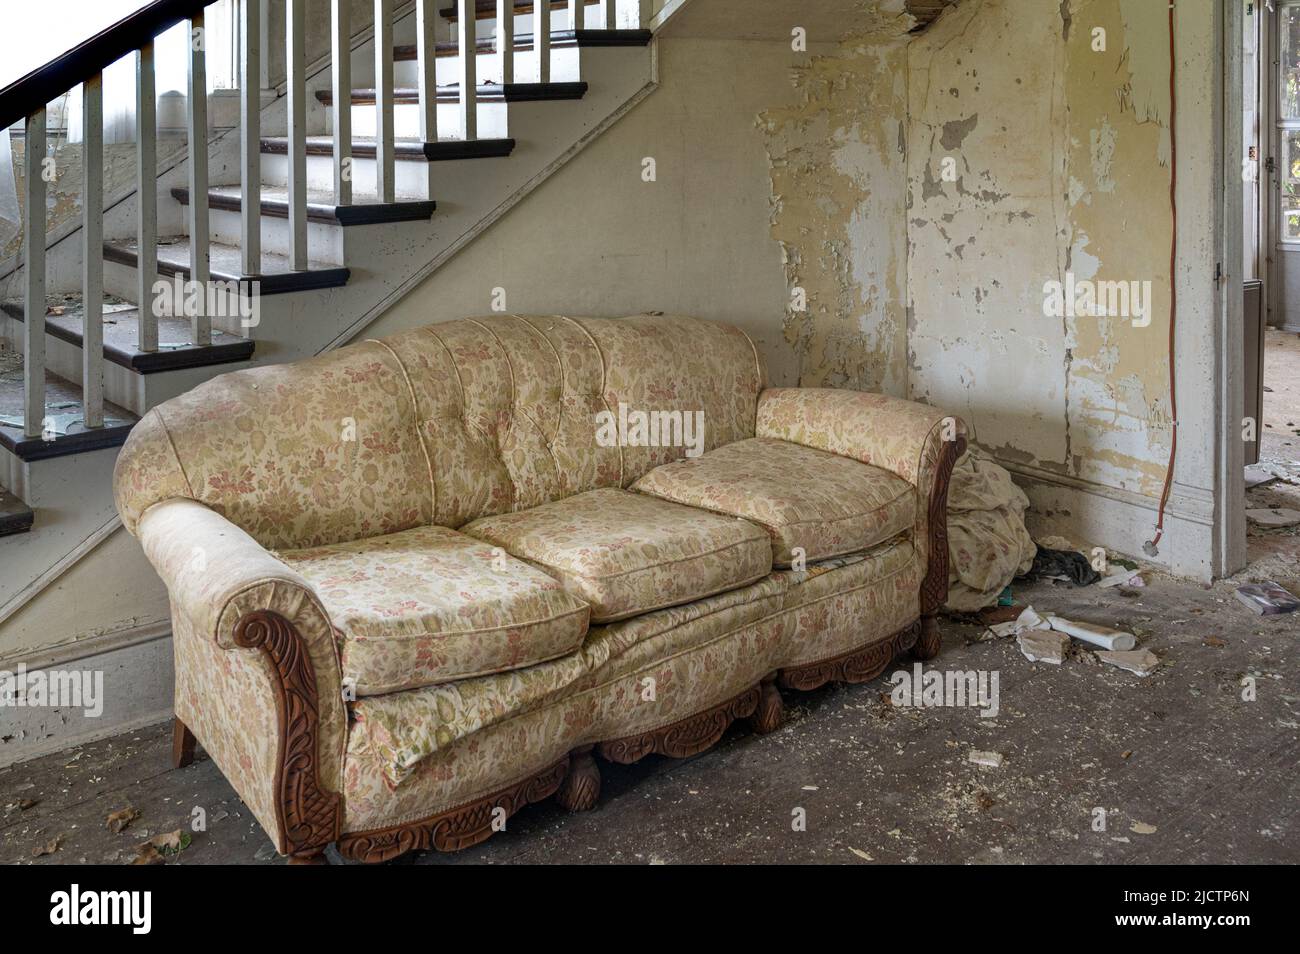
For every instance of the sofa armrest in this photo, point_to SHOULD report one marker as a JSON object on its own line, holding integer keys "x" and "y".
{"x": 914, "y": 441}
{"x": 228, "y": 591}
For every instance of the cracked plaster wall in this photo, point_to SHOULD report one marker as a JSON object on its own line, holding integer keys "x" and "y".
{"x": 1062, "y": 158}
{"x": 838, "y": 164}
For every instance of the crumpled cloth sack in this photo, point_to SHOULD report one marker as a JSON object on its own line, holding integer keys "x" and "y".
{"x": 988, "y": 545}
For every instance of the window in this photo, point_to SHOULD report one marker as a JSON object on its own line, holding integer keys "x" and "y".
{"x": 1289, "y": 118}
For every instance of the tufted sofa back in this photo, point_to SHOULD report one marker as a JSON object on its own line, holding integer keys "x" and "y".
{"x": 442, "y": 424}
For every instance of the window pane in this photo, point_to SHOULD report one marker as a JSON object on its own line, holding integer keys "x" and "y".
{"x": 1289, "y": 25}
{"x": 1291, "y": 185}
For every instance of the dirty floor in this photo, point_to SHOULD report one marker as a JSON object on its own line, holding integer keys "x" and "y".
{"x": 1279, "y": 454}
{"x": 1187, "y": 770}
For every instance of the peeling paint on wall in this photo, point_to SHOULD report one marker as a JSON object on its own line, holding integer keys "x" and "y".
{"x": 1072, "y": 181}
{"x": 838, "y": 170}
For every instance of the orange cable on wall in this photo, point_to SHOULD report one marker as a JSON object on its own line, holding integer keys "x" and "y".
{"x": 1151, "y": 546}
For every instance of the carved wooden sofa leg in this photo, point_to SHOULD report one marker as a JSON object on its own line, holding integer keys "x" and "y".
{"x": 314, "y": 857}
{"x": 771, "y": 710}
{"x": 927, "y": 646}
{"x": 182, "y": 744}
{"x": 581, "y": 786}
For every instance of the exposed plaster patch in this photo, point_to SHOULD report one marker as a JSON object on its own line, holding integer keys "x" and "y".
{"x": 955, "y": 131}
{"x": 837, "y": 166}
{"x": 1054, "y": 188}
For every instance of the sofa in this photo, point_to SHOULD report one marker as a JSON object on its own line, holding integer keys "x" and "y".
{"x": 420, "y": 582}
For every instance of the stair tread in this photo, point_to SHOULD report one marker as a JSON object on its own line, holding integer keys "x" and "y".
{"x": 487, "y": 92}
{"x": 364, "y": 210}
{"x": 63, "y": 402}
{"x": 121, "y": 336}
{"x": 487, "y": 9}
{"x": 276, "y": 276}
{"x": 524, "y": 41}
{"x": 406, "y": 150}
{"x": 15, "y": 516}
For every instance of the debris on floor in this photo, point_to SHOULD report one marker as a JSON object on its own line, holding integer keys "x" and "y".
{"x": 1267, "y": 599}
{"x": 986, "y": 759}
{"x": 1122, "y": 576}
{"x": 1278, "y": 518}
{"x": 1070, "y": 565}
{"x": 1102, "y": 636}
{"x": 121, "y": 819}
{"x": 1140, "y": 662}
{"x": 1043, "y": 645}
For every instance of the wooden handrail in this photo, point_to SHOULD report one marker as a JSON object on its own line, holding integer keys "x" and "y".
{"x": 46, "y": 83}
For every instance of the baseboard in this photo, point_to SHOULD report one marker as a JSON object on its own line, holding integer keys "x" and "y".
{"x": 135, "y": 675}
{"x": 1122, "y": 520}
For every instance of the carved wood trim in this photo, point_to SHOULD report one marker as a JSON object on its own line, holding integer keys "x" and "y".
{"x": 857, "y": 665}
{"x": 934, "y": 588}
{"x": 685, "y": 737}
{"x": 310, "y": 816}
{"x": 457, "y": 828}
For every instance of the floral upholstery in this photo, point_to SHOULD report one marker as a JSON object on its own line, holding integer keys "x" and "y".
{"x": 327, "y": 493}
{"x": 216, "y": 574}
{"x": 319, "y": 451}
{"x": 902, "y": 437}
{"x": 404, "y": 728}
{"x": 626, "y": 553}
{"x": 438, "y": 425}
{"x": 821, "y": 503}
{"x": 431, "y": 605}
{"x": 413, "y": 754}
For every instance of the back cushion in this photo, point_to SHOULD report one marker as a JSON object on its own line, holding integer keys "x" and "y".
{"x": 304, "y": 454}
{"x": 442, "y": 424}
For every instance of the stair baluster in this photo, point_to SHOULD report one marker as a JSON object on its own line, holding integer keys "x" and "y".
{"x": 506, "y": 40}
{"x": 146, "y": 207}
{"x": 341, "y": 58}
{"x": 196, "y": 111}
{"x": 468, "y": 47}
{"x": 250, "y": 141}
{"x": 296, "y": 89}
{"x": 647, "y": 13}
{"x": 92, "y": 251}
{"x": 426, "y": 15}
{"x": 542, "y": 38}
{"x": 34, "y": 279}
{"x": 610, "y": 10}
{"x": 385, "y": 169}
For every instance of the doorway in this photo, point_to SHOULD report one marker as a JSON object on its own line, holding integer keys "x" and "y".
{"x": 1270, "y": 64}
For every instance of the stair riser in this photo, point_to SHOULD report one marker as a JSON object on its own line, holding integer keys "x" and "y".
{"x": 120, "y": 280}
{"x": 593, "y": 18}
{"x": 564, "y": 68}
{"x": 412, "y": 177}
{"x": 121, "y": 385}
{"x": 324, "y": 242}
{"x": 492, "y": 122}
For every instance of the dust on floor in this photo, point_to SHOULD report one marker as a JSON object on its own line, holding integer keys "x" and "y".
{"x": 1186, "y": 766}
{"x": 1277, "y": 551}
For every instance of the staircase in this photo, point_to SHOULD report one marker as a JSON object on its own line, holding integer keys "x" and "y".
{"x": 301, "y": 226}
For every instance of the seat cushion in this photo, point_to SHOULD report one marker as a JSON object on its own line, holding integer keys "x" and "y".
{"x": 430, "y": 605}
{"x": 826, "y": 504}
{"x": 627, "y": 553}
